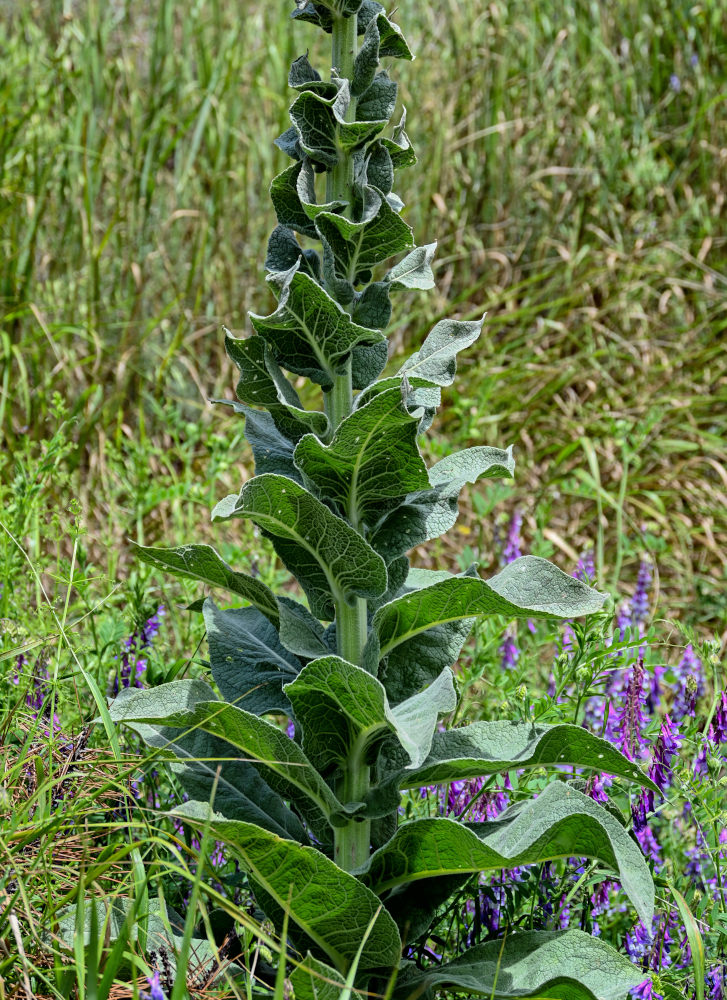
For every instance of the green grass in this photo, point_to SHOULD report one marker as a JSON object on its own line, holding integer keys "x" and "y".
{"x": 578, "y": 198}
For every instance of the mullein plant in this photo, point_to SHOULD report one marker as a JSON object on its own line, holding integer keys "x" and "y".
{"x": 361, "y": 663}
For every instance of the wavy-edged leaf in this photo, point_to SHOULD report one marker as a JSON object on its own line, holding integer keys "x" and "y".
{"x": 391, "y": 40}
{"x": 379, "y": 168}
{"x": 322, "y": 127}
{"x": 436, "y": 359}
{"x": 367, "y": 60}
{"x": 284, "y": 251}
{"x": 279, "y": 760}
{"x": 471, "y": 464}
{"x": 249, "y": 663}
{"x": 314, "y": 980}
{"x": 271, "y": 448}
{"x": 300, "y": 632}
{"x": 378, "y": 102}
{"x": 567, "y": 965}
{"x": 492, "y": 747}
{"x": 398, "y": 146}
{"x": 203, "y": 563}
{"x": 529, "y": 587}
{"x": 339, "y": 706}
{"x": 372, "y": 307}
{"x": 327, "y": 556}
{"x": 415, "y": 270}
{"x": 372, "y": 460}
{"x": 360, "y": 246}
{"x": 561, "y": 822}
{"x": 309, "y": 333}
{"x": 262, "y": 383}
{"x": 302, "y": 73}
{"x": 330, "y": 906}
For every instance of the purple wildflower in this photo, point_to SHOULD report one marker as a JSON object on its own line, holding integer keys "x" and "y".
{"x": 586, "y": 568}
{"x": 690, "y": 684}
{"x": 509, "y": 651}
{"x": 133, "y": 666}
{"x": 665, "y": 749}
{"x": 675, "y": 83}
{"x": 290, "y": 728}
{"x": 720, "y": 721}
{"x": 650, "y": 846}
{"x": 640, "y": 601}
{"x": 700, "y": 764}
{"x": 715, "y": 982}
{"x": 157, "y": 993}
{"x": 645, "y": 991}
{"x": 630, "y": 720}
{"x": 511, "y": 550}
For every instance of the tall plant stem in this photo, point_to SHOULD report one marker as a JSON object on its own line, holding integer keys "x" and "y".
{"x": 352, "y": 842}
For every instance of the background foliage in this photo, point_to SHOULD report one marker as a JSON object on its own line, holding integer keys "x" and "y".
{"x": 583, "y": 206}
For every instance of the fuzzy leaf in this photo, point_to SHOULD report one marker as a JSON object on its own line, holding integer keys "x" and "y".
{"x": 309, "y": 333}
{"x": 392, "y": 41}
{"x": 378, "y": 102}
{"x": 279, "y": 760}
{"x": 300, "y": 632}
{"x": 286, "y": 201}
{"x": 420, "y": 633}
{"x": 359, "y": 246}
{"x": 201, "y": 562}
{"x": 339, "y": 705}
{"x": 327, "y": 556}
{"x": 367, "y": 61}
{"x": 372, "y": 461}
{"x": 306, "y": 190}
{"x": 284, "y": 251}
{"x": 379, "y": 168}
{"x": 492, "y": 747}
{"x": 398, "y": 146}
{"x": 567, "y": 965}
{"x": 302, "y": 73}
{"x": 436, "y": 360}
{"x": 262, "y": 383}
{"x": 314, "y": 980}
{"x": 372, "y": 308}
{"x": 430, "y": 513}
{"x": 367, "y": 363}
{"x": 330, "y": 906}
{"x": 561, "y": 822}
{"x": 271, "y": 448}
{"x": 322, "y": 127}
{"x": 249, "y": 663}
{"x": 414, "y": 271}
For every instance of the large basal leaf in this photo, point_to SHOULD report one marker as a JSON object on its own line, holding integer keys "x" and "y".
{"x": 360, "y": 246}
{"x": 279, "y": 759}
{"x": 428, "y": 514}
{"x": 561, "y": 822}
{"x": 340, "y": 706}
{"x": 327, "y": 556}
{"x": 309, "y": 333}
{"x": 205, "y": 763}
{"x": 529, "y": 587}
{"x": 567, "y": 965}
{"x": 436, "y": 359}
{"x": 372, "y": 461}
{"x": 492, "y": 747}
{"x": 249, "y": 663}
{"x": 330, "y": 906}
{"x": 201, "y": 562}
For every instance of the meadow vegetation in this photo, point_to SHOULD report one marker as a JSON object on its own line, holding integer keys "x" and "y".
{"x": 573, "y": 167}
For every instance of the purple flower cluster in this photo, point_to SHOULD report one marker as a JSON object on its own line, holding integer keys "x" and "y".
{"x": 133, "y": 664}
{"x": 37, "y": 695}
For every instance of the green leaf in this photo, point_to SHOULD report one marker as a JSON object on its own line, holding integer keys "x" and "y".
{"x": 372, "y": 308}
{"x": 201, "y": 562}
{"x": 378, "y": 102}
{"x": 309, "y": 333}
{"x": 330, "y": 906}
{"x": 694, "y": 937}
{"x": 360, "y": 246}
{"x": 322, "y": 127}
{"x": 392, "y": 41}
{"x": 472, "y": 464}
{"x": 529, "y": 587}
{"x": 328, "y": 557}
{"x": 249, "y": 663}
{"x": 300, "y": 632}
{"x": 561, "y": 822}
{"x": 567, "y": 965}
{"x": 341, "y": 706}
{"x": 314, "y": 980}
{"x": 271, "y": 448}
{"x": 398, "y": 146}
{"x": 492, "y": 747}
{"x": 379, "y": 168}
{"x": 284, "y": 252}
{"x": 372, "y": 461}
{"x": 367, "y": 61}
{"x": 262, "y": 383}
{"x": 286, "y": 201}
{"x": 414, "y": 271}
{"x": 279, "y": 760}
{"x": 436, "y": 360}
{"x": 367, "y": 363}
{"x": 302, "y": 73}
{"x": 306, "y": 189}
